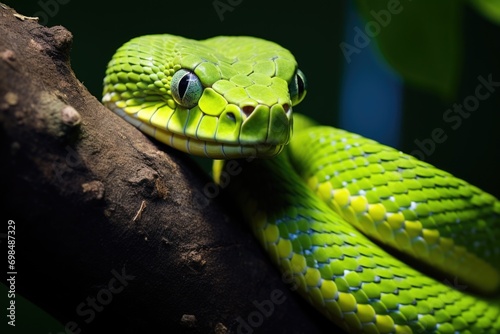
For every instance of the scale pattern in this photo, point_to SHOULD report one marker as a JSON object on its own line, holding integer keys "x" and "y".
{"x": 351, "y": 280}
{"x": 405, "y": 203}
{"x": 312, "y": 230}
{"x": 237, "y": 73}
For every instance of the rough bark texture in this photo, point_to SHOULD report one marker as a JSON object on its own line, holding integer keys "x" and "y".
{"x": 75, "y": 175}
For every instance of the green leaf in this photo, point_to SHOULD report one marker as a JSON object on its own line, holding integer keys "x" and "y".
{"x": 421, "y": 40}
{"x": 488, "y": 8}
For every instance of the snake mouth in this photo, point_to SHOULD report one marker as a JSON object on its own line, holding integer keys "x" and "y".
{"x": 209, "y": 147}
{"x": 215, "y": 150}
{"x": 265, "y": 125}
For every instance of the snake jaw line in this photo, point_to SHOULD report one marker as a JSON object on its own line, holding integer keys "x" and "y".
{"x": 202, "y": 148}
{"x": 213, "y": 147}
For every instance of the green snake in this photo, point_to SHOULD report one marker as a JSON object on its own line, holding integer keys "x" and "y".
{"x": 330, "y": 207}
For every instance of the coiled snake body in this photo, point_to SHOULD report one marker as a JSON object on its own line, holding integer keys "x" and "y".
{"x": 321, "y": 197}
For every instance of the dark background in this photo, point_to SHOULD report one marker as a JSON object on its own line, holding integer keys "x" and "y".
{"x": 313, "y": 31}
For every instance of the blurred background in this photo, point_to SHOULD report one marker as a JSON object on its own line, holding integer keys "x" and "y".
{"x": 422, "y": 75}
{"x": 404, "y": 72}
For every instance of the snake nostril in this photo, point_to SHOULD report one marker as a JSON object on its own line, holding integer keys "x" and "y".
{"x": 247, "y": 110}
{"x": 286, "y": 108}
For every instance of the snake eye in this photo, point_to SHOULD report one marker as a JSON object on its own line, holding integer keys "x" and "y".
{"x": 298, "y": 87}
{"x": 186, "y": 88}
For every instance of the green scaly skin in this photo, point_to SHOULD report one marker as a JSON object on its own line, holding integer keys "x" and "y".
{"x": 239, "y": 105}
{"x": 238, "y": 79}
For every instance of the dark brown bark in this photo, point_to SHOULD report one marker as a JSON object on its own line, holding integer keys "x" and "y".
{"x": 75, "y": 179}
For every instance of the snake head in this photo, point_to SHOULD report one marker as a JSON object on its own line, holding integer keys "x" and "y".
{"x": 225, "y": 97}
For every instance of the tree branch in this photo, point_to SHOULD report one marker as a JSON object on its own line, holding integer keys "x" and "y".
{"x": 114, "y": 230}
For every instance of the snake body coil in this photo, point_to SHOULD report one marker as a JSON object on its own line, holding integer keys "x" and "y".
{"x": 315, "y": 205}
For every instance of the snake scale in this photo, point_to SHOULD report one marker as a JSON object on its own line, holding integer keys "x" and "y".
{"x": 336, "y": 211}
